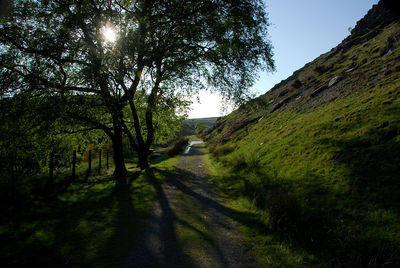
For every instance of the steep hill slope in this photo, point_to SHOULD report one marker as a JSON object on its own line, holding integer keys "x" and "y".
{"x": 321, "y": 150}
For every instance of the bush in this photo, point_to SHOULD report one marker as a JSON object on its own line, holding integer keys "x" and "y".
{"x": 178, "y": 146}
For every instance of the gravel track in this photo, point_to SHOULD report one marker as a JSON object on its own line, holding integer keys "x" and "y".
{"x": 190, "y": 226}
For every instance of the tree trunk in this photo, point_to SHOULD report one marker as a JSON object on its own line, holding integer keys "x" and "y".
{"x": 143, "y": 158}
{"x": 120, "y": 171}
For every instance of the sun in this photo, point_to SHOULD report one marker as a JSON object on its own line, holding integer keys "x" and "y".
{"x": 109, "y": 34}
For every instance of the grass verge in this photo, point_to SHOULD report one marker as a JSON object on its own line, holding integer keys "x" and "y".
{"x": 92, "y": 223}
{"x": 255, "y": 224}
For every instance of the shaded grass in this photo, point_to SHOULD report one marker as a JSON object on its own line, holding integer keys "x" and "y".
{"x": 92, "y": 223}
{"x": 255, "y": 223}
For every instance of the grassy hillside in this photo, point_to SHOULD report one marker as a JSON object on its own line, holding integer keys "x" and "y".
{"x": 320, "y": 152}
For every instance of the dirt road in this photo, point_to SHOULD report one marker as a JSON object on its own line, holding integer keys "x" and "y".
{"x": 190, "y": 226}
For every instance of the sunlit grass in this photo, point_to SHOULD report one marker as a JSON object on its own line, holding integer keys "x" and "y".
{"x": 333, "y": 168}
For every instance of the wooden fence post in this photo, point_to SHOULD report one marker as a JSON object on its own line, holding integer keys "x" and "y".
{"x": 73, "y": 163}
{"x": 51, "y": 167}
{"x": 11, "y": 184}
{"x": 90, "y": 161}
{"x": 99, "y": 160}
{"x": 107, "y": 159}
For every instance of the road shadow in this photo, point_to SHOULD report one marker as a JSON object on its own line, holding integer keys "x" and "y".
{"x": 157, "y": 244}
{"x": 246, "y": 218}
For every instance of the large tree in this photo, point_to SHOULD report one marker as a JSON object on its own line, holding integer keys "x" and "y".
{"x": 115, "y": 50}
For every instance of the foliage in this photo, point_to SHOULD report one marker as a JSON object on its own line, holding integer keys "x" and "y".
{"x": 90, "y": 223}
{"x": 163, "y": 49}
{"x": 167, "y": 118}
{"x": 29, "y": 134}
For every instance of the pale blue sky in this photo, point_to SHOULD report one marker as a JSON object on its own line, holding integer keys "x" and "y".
{"x": 300, "y": 31}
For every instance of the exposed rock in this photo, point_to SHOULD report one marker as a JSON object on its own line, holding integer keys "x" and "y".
{"x": 381, "y": 15}
{"x": 277, "y": 106}
{"x": 390, "y": 52}
{"x": 281, "y": 103}
{"x": 335, "y": 80}
{"x": 318, "y": 91}
{"x": 283, "y": 93}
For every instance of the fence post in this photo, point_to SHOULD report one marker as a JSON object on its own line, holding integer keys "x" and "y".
{"x": 51, "y": 167}
{"x": 90, "y": 161}
{"x": 73, "y": 163}
{"x": 99, "y": 160}
{"x": 107, "y": 159}
{"x": 11, "y": 185}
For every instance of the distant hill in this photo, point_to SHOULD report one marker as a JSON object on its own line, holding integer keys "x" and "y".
{"x": 321, "y": 150}
{"x": 189, "y": 125}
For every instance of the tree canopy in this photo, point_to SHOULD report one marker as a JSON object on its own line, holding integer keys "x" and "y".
{"x": 161, "y": 51}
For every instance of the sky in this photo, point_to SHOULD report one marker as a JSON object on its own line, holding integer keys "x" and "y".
{"x": 300, "y": 31}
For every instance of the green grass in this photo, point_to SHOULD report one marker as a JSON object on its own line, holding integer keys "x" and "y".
{"x": 93, "y": 223}
{"x": 254, "y": 223}
{"x": 339, "y": 163}
{"x": 325, "y": 178}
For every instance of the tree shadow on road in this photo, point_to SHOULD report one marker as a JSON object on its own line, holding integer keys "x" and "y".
{"x": 176, "y": 179}
{"x": 164, "y": 226}
{"x": 246, "y": 218}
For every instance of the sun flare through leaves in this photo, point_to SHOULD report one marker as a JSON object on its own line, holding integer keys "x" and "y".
{"x": 109, "y": 33}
